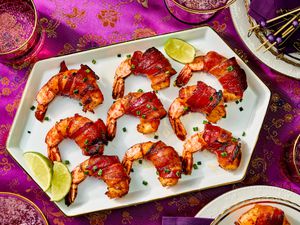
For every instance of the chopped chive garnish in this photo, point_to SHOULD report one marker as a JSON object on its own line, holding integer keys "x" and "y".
{"x": 154, "y": 108}
{"x": 94, "y": 61}
{"x": 119, "y": 55}
{"x": 86, "y": 142}
{"x": 148, "y": 106}
{"x": 234, "y": 139}
{"x": 241, "y": 100}
{"x": 124, "y": 129}
{"x": 167, "y": 72}
{"x": 95, "y": 168}
{"x": 195, "y": 166}
{"x": 167, "y": 171}
{"x": 100, "y": 172}
{"x": 140, "y": 90}
{"x": 178, "y": 173}
{"x": 80, "y": 103}
{"x": 157, "y": 173}
{"x": 156, "y": 91}
{"x": 131, "y": 170}
{"x": 65, "y": 76}
{"x": 86, "y": 149}
{"x": 86, "y": 172}
{"x": 199, "y": 163}
{"x": 174, "y": 84}
{"x": 145, "y": 183}
{"x": 144, "y": 116}
{"x": 225, "y": 105}
{"x": 211, "y": 98}
{"x": 244, "y": 134}
{"x": 155, "y": 136}
{"x": 195, "y": 128}
{"x": 32, "y": 108}
{"x": 128, "y": 56}
{"x": 230, "y": 68}
{"x": 87, "y": 70}
{"x": 205, "y": 122}
{"x": 76, "y": 91}
{"x": 224, "y": 154}
{"x": 140, "y": 161}
{"x": 138, "y": 112}
{"x": 186, "y": 108}
{"x": 132, "y": 66}
{"x": 46, "y": 118}
{"x": 237, "y": 102}
{"x": 85, "y": 79}
{"x": 67, "y": 162}
{"x": 29, "y": 132}
{"x": 241, "y": 109}
{"x": 224, "y": 116}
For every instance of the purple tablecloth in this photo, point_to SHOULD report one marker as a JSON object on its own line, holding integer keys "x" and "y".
{"x": 78, "y": 25}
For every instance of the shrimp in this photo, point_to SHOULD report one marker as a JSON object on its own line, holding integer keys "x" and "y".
{"x": 165, "y": 159}
{"x": 231, "y": 76}
{"x": 197, "y": 98}
{"x": 78, "y": 84}
{"x": 107, "y": 168}
{"x": 146, "y": 106}
{"x": 89, "y": 135}
{"x": 216, "y": 140}
{"x": 152, "y": 63}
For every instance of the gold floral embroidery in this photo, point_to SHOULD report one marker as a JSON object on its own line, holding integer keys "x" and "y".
{"x": 184, "y": 202}
{"x": 108, "y": 17}
{"x": 49, "y": 26}
{"x": 5, "y": 166}
{"x": 126, "y": 218}
{"x": 6, "y": 91}
{"x": 220, "y": 28}
{"x": 89, "y": 41}
{"x": 98, "y": 218}
{"x": 159, "y": 209}
{"x": 241, "y": 54}
{"x": 5, "y": 81}
{"x": 10, "y": 108}
{"x": 68, "y": 48}
{"x": 143, "y": 32}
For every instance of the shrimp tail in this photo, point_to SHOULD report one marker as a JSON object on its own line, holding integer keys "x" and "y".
{"x": 178, "y": 128}
{"x": 184, "y": 76}
{"x": 118, "y": 88}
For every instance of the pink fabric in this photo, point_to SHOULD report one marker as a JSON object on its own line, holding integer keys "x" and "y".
{"x": 77, "y": 25}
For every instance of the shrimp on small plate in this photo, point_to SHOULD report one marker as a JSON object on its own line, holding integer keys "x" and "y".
{"x": 196, "y": 98}
{"x": 90, "y": 136}
{"x": 152, "y": 63}
{"x": 216, "y": 140}
{"x": 165, "y": 159}
{"x": 104, "y": 167}
{"x": 145, "y": 106}
{"x": 77, "y": 84}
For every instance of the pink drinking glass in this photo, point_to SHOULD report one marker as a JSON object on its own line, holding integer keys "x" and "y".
{"x": 21, "y": 36}
{"x": 195, "y": 11}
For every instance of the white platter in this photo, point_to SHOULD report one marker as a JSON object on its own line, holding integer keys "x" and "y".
{"x": 91, "y": 195}
{"x": 239, "y": 14}
{"x": 220, "y": 204}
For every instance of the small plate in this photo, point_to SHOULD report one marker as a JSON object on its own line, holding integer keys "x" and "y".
{"x": 227, "y": 208}
{"x": 91, "y": 195}
{"x": 19, "y": 210}
{"x": 241, "y": 21}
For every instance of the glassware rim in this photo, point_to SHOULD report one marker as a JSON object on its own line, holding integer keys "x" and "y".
{"x": 203, "y": 11}
{"x": 31, "y": 35}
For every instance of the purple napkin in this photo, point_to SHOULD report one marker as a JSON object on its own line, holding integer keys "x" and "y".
{"x": 185, "y": 221}
{"x": 266, "y": 9}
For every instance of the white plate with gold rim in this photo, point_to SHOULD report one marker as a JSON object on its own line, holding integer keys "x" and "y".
{"x": 241, "y": 21}
{"x": 91, "y": 195}
{"x": 227, "y": 208}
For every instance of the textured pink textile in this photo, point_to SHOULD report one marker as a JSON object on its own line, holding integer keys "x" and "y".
{"x": 77, "y": 25}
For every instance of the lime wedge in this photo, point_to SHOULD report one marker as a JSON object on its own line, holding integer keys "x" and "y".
{"x": 180, "y": 50}
{"x": 61, "y": 181}
{"x": 41, "y": 167}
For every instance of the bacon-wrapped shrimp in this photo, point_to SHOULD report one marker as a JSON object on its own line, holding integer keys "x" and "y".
{"x": 231, "y": 76}
{"x": 78, "y": 84}
{"x": 107, "y": 168}
{"x": 89, "y": 135}
{"x": 152, "y": 63}
{"x": 263, "y": 215}
{"x": 216, "y": 140}
{"x": 146, "y": 106}
{"x": 165, "y": 159}
{"x": 197, "y": 98}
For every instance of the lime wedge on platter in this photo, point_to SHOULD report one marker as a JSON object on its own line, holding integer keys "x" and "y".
{"x": 53, "y": 177}
{"x": 180, "y": 50}
{"x": 61, "y": 181}
{"x": 41, "y": 168}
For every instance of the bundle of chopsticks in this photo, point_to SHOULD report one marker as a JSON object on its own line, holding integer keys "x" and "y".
{"x": 284, "y": 32}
